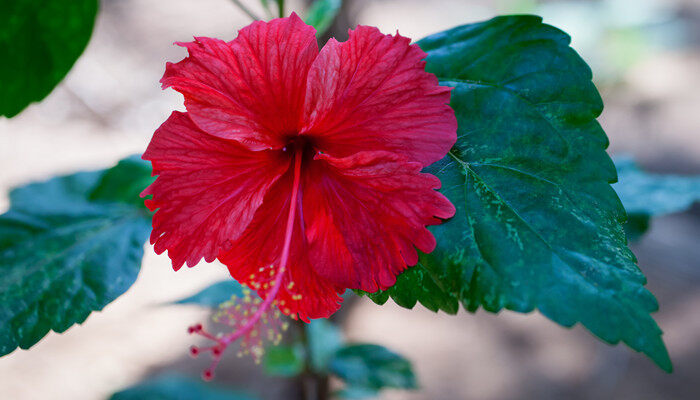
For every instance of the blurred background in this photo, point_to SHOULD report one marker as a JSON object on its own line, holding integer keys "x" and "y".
{"x": 645, "y": 55}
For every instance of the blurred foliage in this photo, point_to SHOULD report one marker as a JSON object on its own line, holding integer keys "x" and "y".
{"x": 324, "y": 339}
{"x": 284, "y": 360}
{"x": 177, "y": 387}
{"x": 646, "y": 195}
{"x": 321, "y": 14}
{"x": 367, "y": 367}
{"x": 215, "y": 294}
{"x": 40, "y": 41}
{"x": 611, "y": 35}
{"x": 69, "y": 246}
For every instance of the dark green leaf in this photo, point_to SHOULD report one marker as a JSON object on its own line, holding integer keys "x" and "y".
{"x": 645, "y": 195}
{"x": 322, "y": 13}
{"x": 538, "y": 225}
{"x": 324, "y": 340}
{"x": 284, "y": 360}
{"x": 40, "y": 41}
{"x": 177, "y": 387}
{"x": 415, "y": 285}
{"x": 215, "y": 294}
{"x": 372, "y": 367}
{"x": 124, "y": 183}
{"x": 67, "y": 249}
{"x": 636, "y": 226}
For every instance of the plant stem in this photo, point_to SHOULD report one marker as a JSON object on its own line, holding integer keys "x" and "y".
{"x": 314, "y": 385}
{"x": 245, "y": 10}
{"x": 280, "y": 7}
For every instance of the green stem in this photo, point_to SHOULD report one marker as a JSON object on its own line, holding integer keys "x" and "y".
{"x": 245, "y": 10}
{"x": 280, "y": 7}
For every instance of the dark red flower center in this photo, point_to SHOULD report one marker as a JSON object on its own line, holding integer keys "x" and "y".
{"x": 305, "y": 144}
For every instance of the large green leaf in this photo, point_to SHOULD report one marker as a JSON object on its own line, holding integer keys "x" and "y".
{"x": 177, "y": 387}
{"x": 40, "y": 41}
{"x": 538, "y": 225}
{"x": 645, "y": 195}
{"x": 373, "y": 367}
{"x": 68, "y": 246}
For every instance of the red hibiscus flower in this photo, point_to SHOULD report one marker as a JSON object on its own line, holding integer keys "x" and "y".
{"x": 299, "y": 169}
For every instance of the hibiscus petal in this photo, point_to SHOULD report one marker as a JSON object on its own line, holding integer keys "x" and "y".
{"x": 207, "y": 189}
{"x": 372, "y": 93}
{"x": 254, "y": 258}
{"x": 252, "y": 88}
{"x": 365, "y": 213}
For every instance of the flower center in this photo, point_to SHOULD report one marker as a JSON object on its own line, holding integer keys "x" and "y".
{"x": 302, "y": 143}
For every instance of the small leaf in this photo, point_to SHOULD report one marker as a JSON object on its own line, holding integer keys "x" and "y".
{"x": 324, "y": 340}
{"x": 322, "y": 13}
{"x": 125, "y": 182}
{"x": 40, "y": 41}
{"x": 538, "y": 225}
{"x": 284, "y": 360}
{"x": 645, "y": 195}
{"x": 67, "y": 249}
{"x": 214, "y": 295}
{"x": 373, "y": 367}
{"x": 177, "y": 387}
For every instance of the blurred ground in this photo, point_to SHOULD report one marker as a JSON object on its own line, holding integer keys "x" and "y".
{"x": 646, "y": 57}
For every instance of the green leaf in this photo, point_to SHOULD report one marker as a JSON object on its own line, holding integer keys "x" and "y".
{"x": 645, "y": 195}
{"x": 369, "y": 366}
{"x": 125, "y": 182}
{"x": 215, "y": 294}
{"x": 636, "y": 226}
{"x": 322, "y": 13}
{"x": 324, "y": 340}
{"x": 67, "y": 249}
{"x": 413, "y": 286}
{"x": 284, "y": 360}
{"x": 40, "y": 41}
{"x": 177, "y": 387}
{"x": 538, "y": 225}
